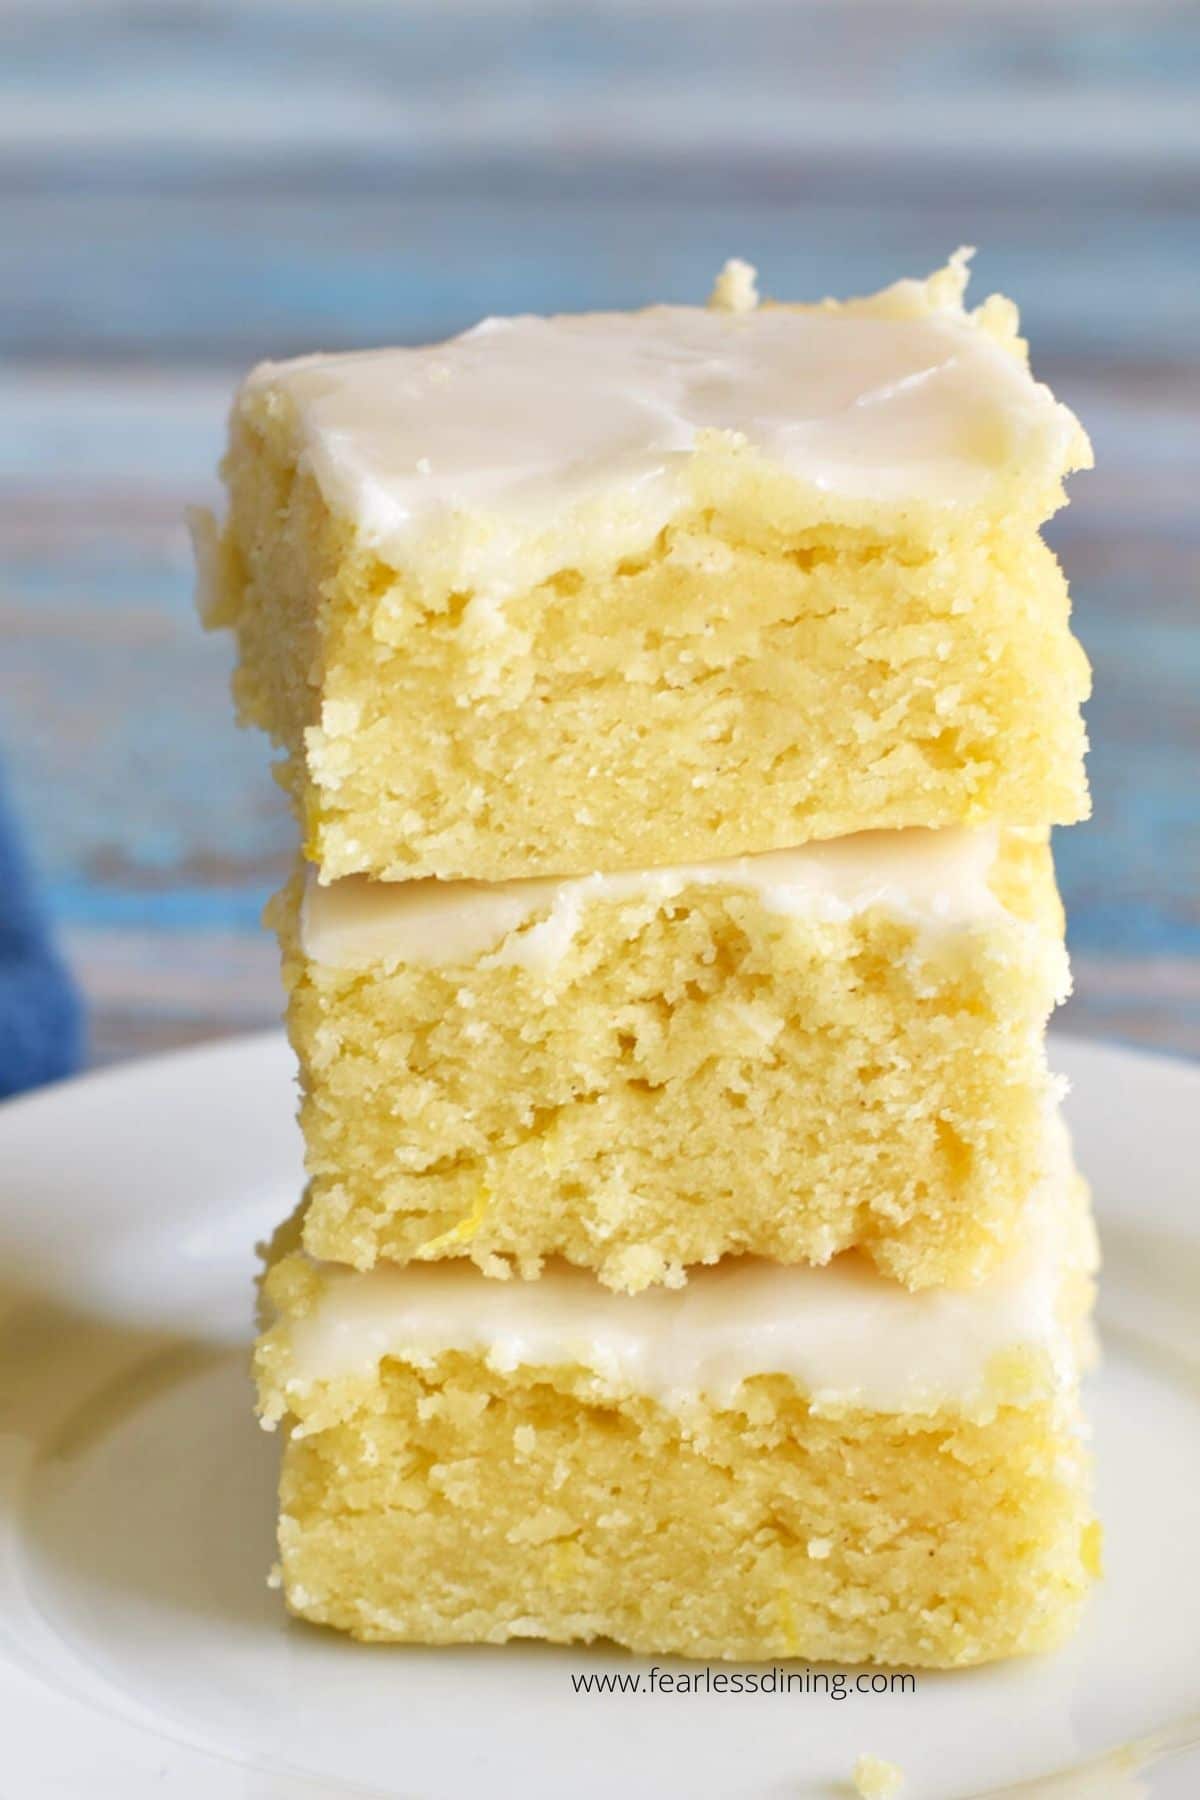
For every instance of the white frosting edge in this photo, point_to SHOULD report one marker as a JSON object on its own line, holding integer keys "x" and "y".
{"x": 844, "y": 1334}
{"x": 495, "y": 455}
{"x": 937, "y": 880}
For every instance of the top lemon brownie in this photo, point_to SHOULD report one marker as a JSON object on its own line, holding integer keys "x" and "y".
{"x": 614, "y": 590}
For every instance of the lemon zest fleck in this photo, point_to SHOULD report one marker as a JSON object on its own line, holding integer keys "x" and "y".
{"x": 460, "y": 1233}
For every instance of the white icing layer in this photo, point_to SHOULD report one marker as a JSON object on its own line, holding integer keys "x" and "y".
{"x": 843, "y": 1333}
{"x": 936, "y": 879}
{"x": 520, "y": 421}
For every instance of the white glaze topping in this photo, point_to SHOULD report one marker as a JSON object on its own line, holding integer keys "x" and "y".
{"x": 520, "y": 422}
{"x": 935, "y": 879}
{"x": 843, "y": 1333}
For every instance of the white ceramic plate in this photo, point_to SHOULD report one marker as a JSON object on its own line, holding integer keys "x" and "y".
{"x": 141, "y": 1652}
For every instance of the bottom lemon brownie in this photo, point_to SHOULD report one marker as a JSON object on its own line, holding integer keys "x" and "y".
{"x": 767, "y": 1463}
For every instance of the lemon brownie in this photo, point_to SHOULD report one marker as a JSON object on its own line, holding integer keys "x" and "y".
{"x": 616, "y": 590}
{"x": 766, "y": 1463}
{"x": 789, "y": 1055}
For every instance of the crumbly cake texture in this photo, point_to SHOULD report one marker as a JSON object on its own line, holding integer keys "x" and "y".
{"x": 439, "y": 1499}
{"x": 876, "y": 1779}
{"x": 775, "y": 660}
{"x": 695, "y": 1075}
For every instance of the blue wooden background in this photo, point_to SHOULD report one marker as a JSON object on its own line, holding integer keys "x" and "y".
{"x": 185, "y": 188}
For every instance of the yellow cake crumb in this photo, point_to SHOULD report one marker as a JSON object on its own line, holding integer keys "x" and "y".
{"x": 875, "y": 1779}
{"x": 736, "y": 287}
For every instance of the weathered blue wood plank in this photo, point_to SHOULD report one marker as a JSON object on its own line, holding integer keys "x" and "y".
{"x": 560, "y": 76}
{"x": 235, "y": 276}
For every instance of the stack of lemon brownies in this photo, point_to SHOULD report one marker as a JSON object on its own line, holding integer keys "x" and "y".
{"x": 676, "y": 705}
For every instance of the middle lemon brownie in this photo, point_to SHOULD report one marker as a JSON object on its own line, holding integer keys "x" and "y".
{"x": 788, "y": 1055}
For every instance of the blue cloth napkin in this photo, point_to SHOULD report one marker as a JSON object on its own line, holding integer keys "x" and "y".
{"x": 41, "y": 1016}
